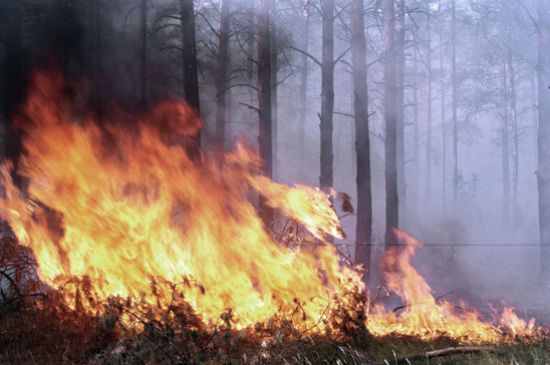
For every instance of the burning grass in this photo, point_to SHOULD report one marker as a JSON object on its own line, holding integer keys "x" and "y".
{"x": 133, "y": 253}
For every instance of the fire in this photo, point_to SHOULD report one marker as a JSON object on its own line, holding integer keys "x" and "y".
{"x": 126, "y": 210}
{"x": 128, "y": 206}
{"x": 426, "y": 317}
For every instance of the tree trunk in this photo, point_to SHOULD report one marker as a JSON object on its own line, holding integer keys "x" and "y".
{"x": 250, "y": 54}
{"x": 14, "y": 82}
{"x": 505, "y": 147}
{"x": 428, "y": 183}
{"x": 443, "y": 115}
{"x": 303, "y": 88}
{"x": 363, "y": 230}
{"x": 274, "y": 87}
{"x": 515, "y": 134}
{"x": 327, "y": 94}
{"x": 400, "y": 105}
{"x": 221, "y": 74}
{"x": 143, "y": 53}
{"x": 414, "y": 184}
{"x": 455, "y": 101}
{"x": 95, "y": 60}
{"x": 190, "y": 67}
{"x": 264, "y": 101}
{"x": 543, "y": 75}
{"x": 390, "y": 116}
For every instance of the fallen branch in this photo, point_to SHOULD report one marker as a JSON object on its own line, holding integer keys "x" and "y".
{"x": 439, "y": 353}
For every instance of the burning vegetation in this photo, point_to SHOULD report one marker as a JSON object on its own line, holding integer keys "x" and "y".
{"x": 123, "y": 239}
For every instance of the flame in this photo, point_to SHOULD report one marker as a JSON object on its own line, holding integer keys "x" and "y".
{"x": 124, "y": 208}
{"x": 426, "y": 317}
{"x": 128, "y": 206}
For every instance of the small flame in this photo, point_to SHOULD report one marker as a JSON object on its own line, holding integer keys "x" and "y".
{"x": 426, "y": 317}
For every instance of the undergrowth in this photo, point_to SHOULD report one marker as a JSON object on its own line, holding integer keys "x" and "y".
{"x": 37, "y": 326}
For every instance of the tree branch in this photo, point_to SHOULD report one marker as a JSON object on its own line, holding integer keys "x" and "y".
{"x": 306, "y": 54}
{"x": 440, "y": 353}
{"x": 237, "y": 85}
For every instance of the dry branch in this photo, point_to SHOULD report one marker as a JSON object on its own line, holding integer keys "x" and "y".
{"x": 440, "y": 353}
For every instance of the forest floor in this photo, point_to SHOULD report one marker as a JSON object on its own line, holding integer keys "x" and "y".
{"x": 38, "y": 335}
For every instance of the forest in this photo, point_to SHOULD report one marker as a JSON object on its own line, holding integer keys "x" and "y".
{"x": 274, "y": 181}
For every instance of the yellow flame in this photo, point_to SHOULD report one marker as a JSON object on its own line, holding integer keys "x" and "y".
{"x": 128, "y": 206}
{"x": 426, "y": 317}
{"x": 123, "y": 206}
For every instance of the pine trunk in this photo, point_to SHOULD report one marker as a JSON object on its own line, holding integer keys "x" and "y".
{"x": 221, "y": 74}
{"x": 190, "y": 67}
{"x": 390, "y": 116}
{"x": 543, "y": 75}
{"x": 327, "y": 94}
{"x": 363, "y": 231}
{"x": 264, "y": 101}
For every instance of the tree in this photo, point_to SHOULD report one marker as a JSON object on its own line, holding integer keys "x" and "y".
{"x": 14, "y": 85}
{"x": 543, "y": 175}
{"x": 363, "y": 231}
{"x": 221, "y": 74}
{"x": 327, "y": 94}
{"x": 390, "y": 117}
{"x": 442, "y": 109}
{"x": 190, "y": 67}
{"x": 303, "y": 82}
{"x": 399, "y": 45}
{"x": 454, "y": 90}
{"x": 505, "y": 145}
{"x": 274, "y": 50}
{"x": 143, "y": 52}
{"x": 264, "y": 100}
{"x": 428, "y": 172}
{"x": 515, "y": 132}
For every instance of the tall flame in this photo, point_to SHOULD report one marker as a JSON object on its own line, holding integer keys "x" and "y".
{"x": 128, "y": 205}
{"x": 125, "y": 207}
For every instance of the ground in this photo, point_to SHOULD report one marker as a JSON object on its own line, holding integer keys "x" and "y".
{"x": 44, "y": 336}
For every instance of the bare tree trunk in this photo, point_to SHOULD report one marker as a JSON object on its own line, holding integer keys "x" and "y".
{"x": 443, "y": 115}
{"x": 390, "y": 116}
{"x": 274, "y": 86}
{"x": 143, "y": 53}
{"x": 14, "y": 81}
{"x": 363, "y": 230}
{"x": 250, "y": 45}
{"x": 190, "y": 67}
{"x": 505, "y": 147}
{"x": 303, "y": 86}
{"x": 327, "y": 94}
{"x": 515, "y": 134}
{"x": 221, "y": 74}
{"x": 428, "y": 183}
{"x": 400, "y": 105}
{"x": 455, "y": 101}
{"x": 543, "y": 75}
{"x": 414, "y": 184}
{"x": 95, "y": 47}
{"x": 264, "y": 101}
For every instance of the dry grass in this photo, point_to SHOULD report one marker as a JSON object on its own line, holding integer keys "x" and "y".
{"x": 38, "y": 327}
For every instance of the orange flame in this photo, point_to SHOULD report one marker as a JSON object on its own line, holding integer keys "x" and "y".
{"x": 426, "y": 317}
{"x": 137, "y": 208}
{"x": 123, "y": 207}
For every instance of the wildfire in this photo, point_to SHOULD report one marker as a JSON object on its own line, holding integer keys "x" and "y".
{"x": 129, "y": 206}
{"x": 125, "y": 207}
{"x": 425, "y": 316}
